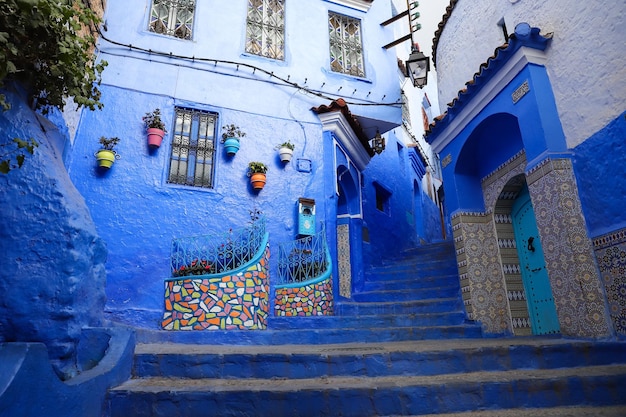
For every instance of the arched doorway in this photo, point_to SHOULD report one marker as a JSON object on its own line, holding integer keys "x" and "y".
{"x": 349, "y": 231}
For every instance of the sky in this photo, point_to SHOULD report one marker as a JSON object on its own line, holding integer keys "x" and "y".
{"x": 431, "y": 12}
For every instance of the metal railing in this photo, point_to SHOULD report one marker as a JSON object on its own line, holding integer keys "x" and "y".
{"x": 216, "y": 254}
{"x": 303, "y": 259}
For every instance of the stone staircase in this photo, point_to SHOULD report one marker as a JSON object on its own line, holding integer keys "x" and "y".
{"x": 401, "y": 346}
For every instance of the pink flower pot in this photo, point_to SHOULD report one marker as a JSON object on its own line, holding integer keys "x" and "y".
{"x": 155, "y": 137}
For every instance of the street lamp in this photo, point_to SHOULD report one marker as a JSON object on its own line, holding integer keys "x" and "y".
{"x": 417, "y": 66}
{"x": 378, "y": 143}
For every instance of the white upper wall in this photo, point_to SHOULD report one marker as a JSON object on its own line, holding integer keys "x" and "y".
{"x": 219, "y": 32}
{"x": 586, "y": 59}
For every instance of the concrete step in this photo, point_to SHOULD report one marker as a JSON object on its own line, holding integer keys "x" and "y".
{"x": 309, "y": 335}
{"x": 571, "y": 411}
{"x": 369, "y": 360}
{"x": 361, "y": 397}
{"x": 407, "y": 294}
{"x": 392, "y": 282}
{"x": 347, "y": 322}
{"x": 433, "y": 305}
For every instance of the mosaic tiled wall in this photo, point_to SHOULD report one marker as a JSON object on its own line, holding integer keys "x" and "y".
{"x": 570, "y": 260}
{"x": 482, "y": 278}
{"x": 500, "y": 189}
{"x": 343, "y": 259}
{"x": 308, "y": 300}
{"x": 238, "y": 301}
{"x": 611, "y": 255}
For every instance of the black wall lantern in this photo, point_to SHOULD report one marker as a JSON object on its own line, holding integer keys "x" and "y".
{"x": 378, "y": 143}
{"x": 417, "y": 66}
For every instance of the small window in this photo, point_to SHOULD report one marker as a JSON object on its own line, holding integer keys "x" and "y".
{"x": 193, "y": 148}
{"x": 382, "y": 198}
{"x": 265, "y": 28}
{"x": 346, "y": 47}
{"x": 172, "y": 17}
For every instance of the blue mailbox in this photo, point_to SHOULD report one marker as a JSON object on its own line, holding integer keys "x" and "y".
{"x": 306, "y": 217}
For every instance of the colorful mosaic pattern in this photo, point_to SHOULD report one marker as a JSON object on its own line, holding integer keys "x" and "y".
{"x": 475, "y": 236}
{"x": 308, "y": 300}
{"x": 611, "y": 254}
{"x": 238, "y": 301}
{"x": 343, "y": 260}
{"x": 570, "y": 262}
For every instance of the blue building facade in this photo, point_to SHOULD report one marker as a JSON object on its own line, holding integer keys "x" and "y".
{"x": 314, "y": 75}
{"x": 532, "y": 190}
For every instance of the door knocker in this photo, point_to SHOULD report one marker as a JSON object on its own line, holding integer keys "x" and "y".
{"x": 530, "y": 244}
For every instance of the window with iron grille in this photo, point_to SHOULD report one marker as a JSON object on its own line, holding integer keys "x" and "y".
{"x": 193, "y": 148}
{"x": 265, "y": 28}
{"x": 346, "y": 47}
{"x": 172, "y": 17}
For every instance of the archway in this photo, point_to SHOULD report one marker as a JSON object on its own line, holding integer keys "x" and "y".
{"x": 349, "y": 231}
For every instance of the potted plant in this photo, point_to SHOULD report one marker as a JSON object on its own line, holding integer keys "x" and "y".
{"x": 155, "y": 128}
{"x": 107, "y": 155}
{"x": 256, "y": 172}
{"x": 285, "y": 151}
{"x": 230, "y": 138}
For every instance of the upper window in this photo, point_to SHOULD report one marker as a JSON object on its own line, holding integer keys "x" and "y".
{"x": 346, "y": 48}
{"x": 265, "y": 29}
{"x": 172, "y": 17}
{"x": 193, "y": 148}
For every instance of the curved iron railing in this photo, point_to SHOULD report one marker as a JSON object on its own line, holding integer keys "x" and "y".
{"x": 216, "y": 254}
{"x": 303, "y": 260}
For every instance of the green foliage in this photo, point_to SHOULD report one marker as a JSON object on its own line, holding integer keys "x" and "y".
{"x": 257, "y": 167}
{"x": 108, "y": 143}
{"x": 44, "y": 45}
{"x": 23, "y": 147}
{"x": 232, "y": 131}
{"x": 287, "y": 144}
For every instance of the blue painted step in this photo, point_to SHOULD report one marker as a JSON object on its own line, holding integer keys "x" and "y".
{"x": 447, "y": 291}
{"x": 310, "y": 336}
{"x": 371, "y": 360}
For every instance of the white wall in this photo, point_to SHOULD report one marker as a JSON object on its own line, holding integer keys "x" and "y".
{"x": 586, "y": 58}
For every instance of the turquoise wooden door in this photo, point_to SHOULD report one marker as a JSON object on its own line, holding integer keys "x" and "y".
{"x": 541, "y": 306}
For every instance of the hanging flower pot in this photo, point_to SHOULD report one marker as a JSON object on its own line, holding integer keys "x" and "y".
{"x": 106, "y": 156}
{"x": 230, "y": 138}
{"x": 155, "y": 128}
{"x": 231, "y": 145}
{"x": 155, "y": 137}
{"x": 256, "y": 172}
{"x": 258, "y": 180}
{"x": 285, "y": 151}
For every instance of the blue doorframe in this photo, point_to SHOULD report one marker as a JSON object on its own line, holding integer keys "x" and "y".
{"x": 541, "y": 307}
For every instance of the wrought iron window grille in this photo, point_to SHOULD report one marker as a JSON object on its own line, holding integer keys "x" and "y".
{"x": 265, "y": 28}
{"x": 217, "y": 254}
{"x": 303, "y": 259}
{"x": 172, "y": 17}
{"x": 193, "y": 148}
{"x": 346, "y": 46}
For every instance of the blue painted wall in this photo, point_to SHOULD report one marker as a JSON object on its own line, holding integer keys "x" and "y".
{"x": 599, "y": 168}
{"x": 534, "y": 132}
{"x": 52, "y": 277}
{"x": 137, "y": 213}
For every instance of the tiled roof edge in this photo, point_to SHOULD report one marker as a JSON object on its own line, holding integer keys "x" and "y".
{"x": 524, "y": 35}
{"x": 341, "y": 106}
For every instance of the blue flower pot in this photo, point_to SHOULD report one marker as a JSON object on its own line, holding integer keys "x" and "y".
{"x": 231, "y": 145}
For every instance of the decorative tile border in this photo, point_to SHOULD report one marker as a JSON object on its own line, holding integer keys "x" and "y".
{"x": 567, "y": 249}
{"x": 610, "y": 252}
{"x": 308, "y": 300}
{"x": 343, "y": 260}
{"x": 238, "y": 301}
{"x": 485, "y": 281}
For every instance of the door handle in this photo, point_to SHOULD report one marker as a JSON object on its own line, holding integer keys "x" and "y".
{"x": 530, "y": 244}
